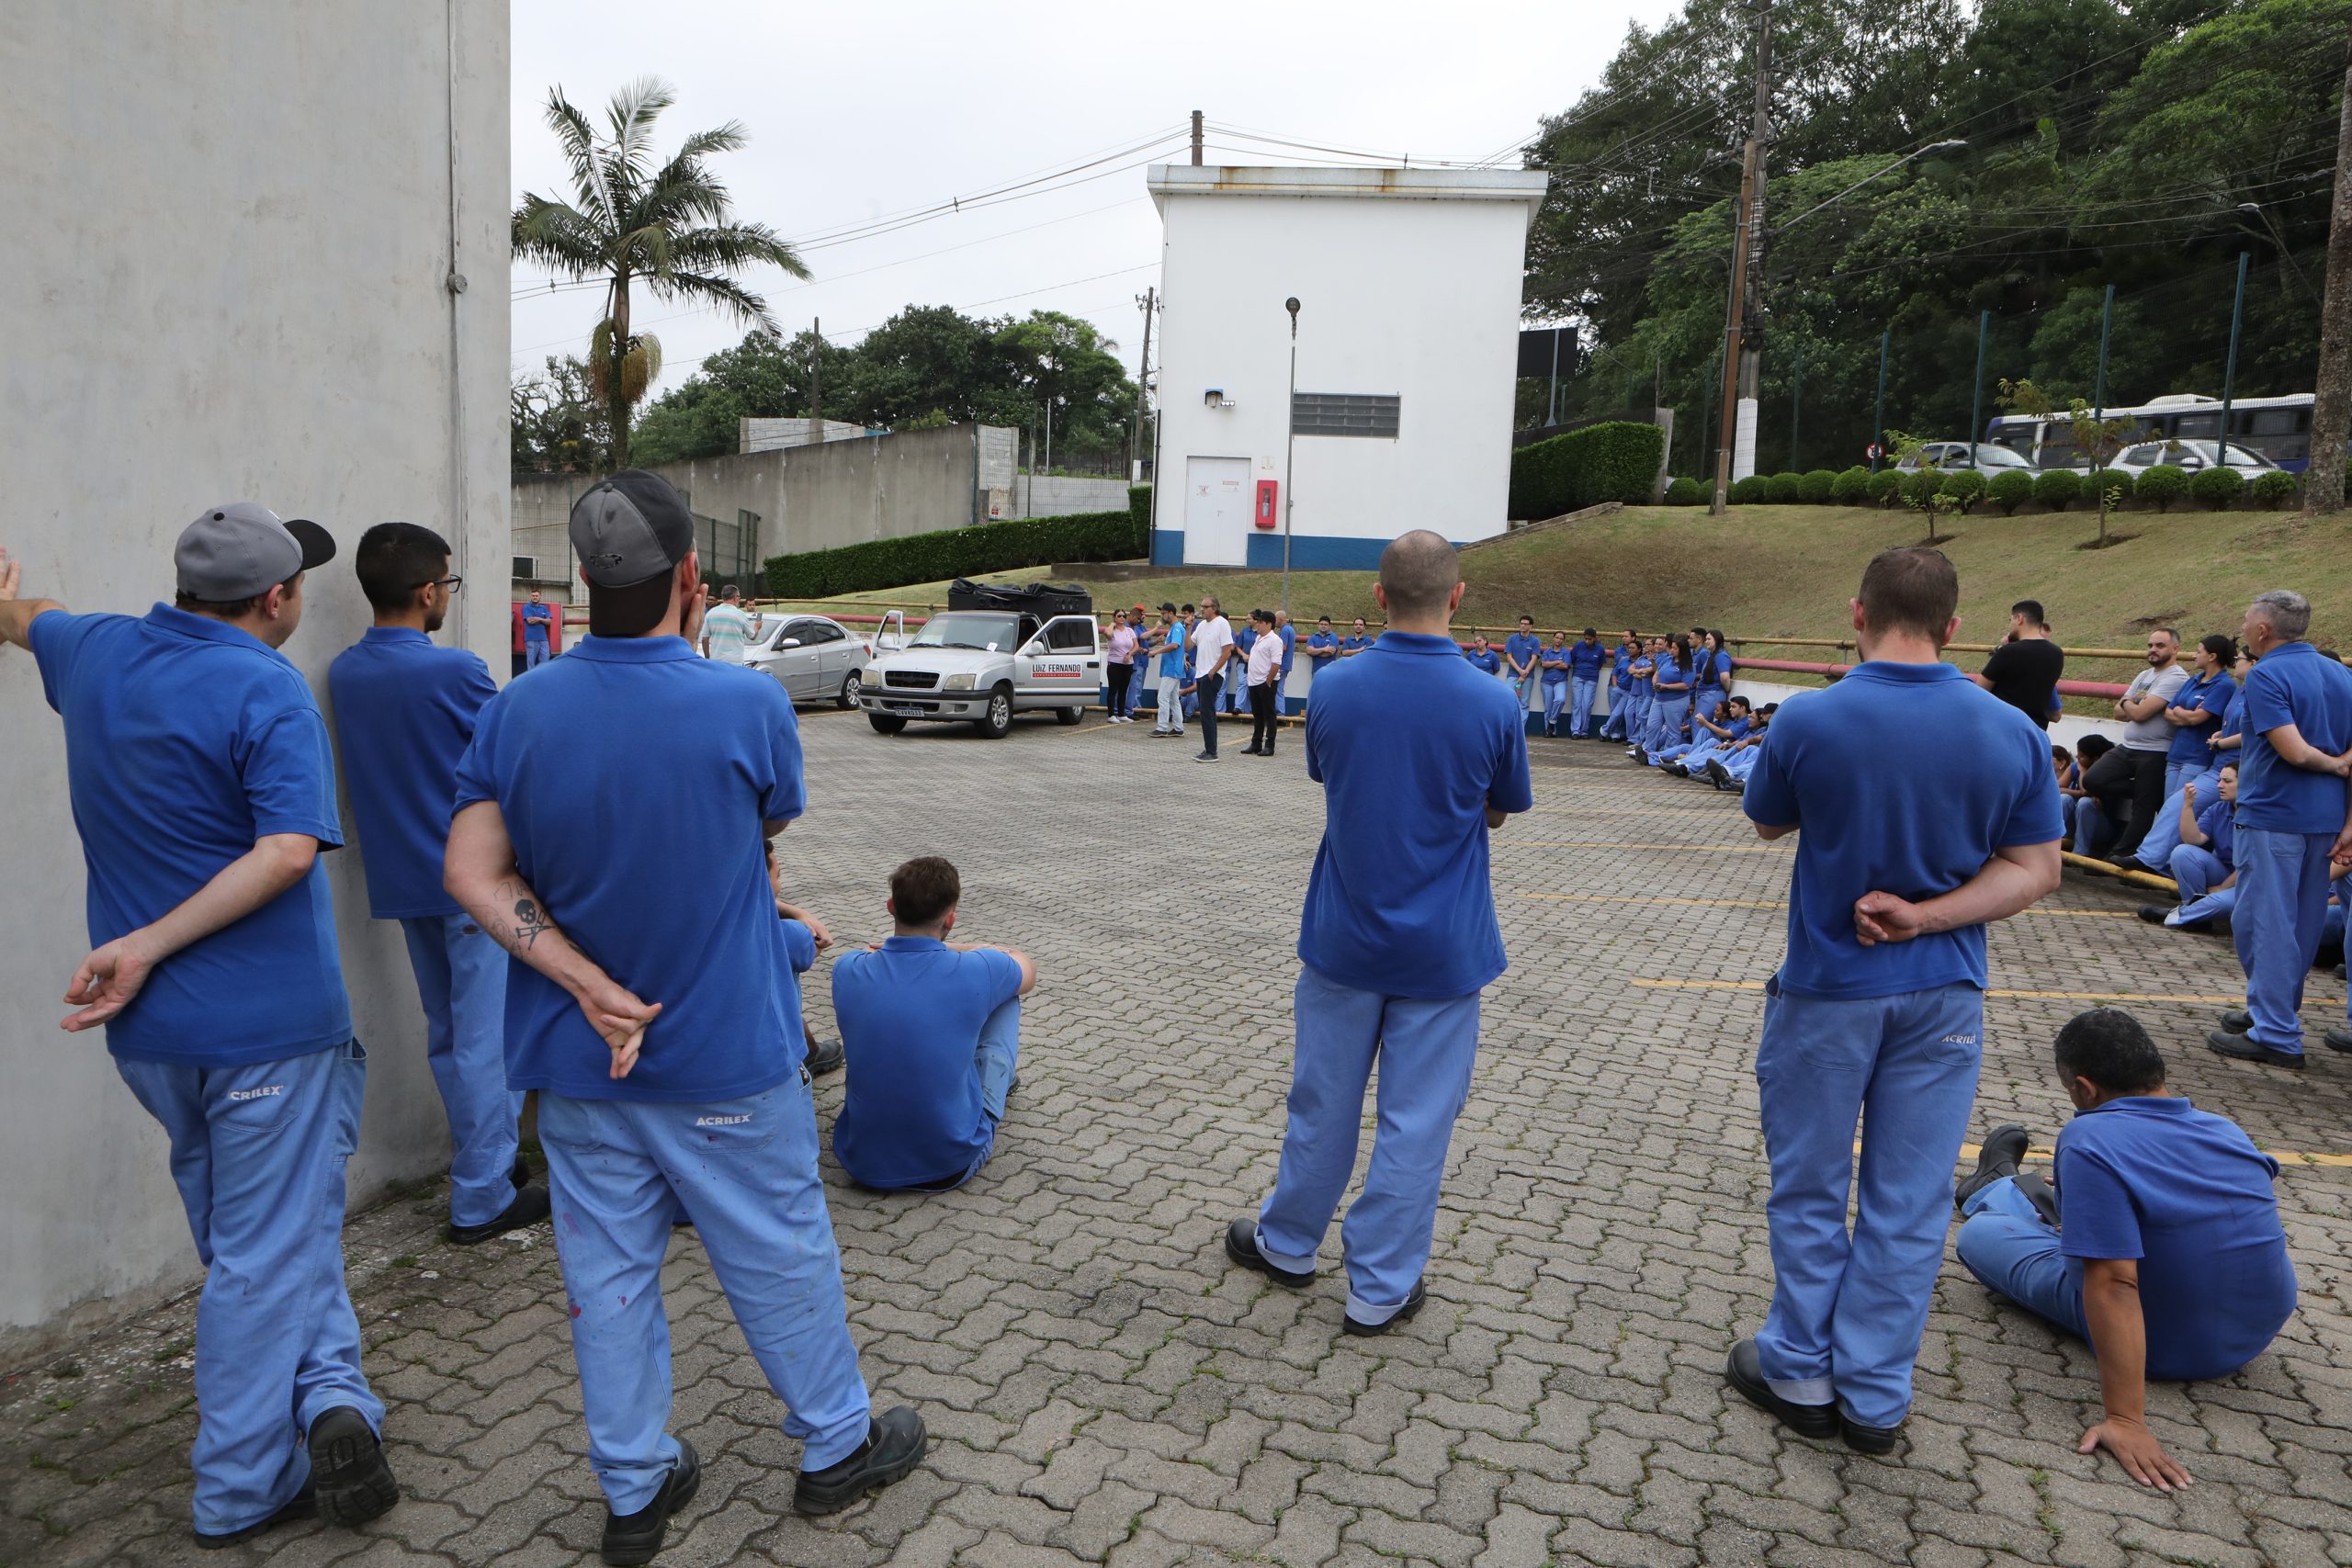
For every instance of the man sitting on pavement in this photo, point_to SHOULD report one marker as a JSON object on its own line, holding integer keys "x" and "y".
{"x": 2172, "y": 1263}
{"x": 2203, "y": 865}
{"x": 932, "y": 1029}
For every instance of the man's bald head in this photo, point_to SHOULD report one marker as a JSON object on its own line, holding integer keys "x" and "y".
{"x": 1418, "y": 573}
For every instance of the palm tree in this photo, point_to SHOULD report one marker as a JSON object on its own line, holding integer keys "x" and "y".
{"x": 668, "y": 227}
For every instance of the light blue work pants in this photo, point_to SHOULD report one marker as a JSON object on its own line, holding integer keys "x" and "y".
{"x": 2282, "y": 904}
{"x": 461, "y": 979}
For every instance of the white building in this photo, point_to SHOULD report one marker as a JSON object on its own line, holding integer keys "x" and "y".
{"x": 261, "y": 260}
{"x": 1409, "y": 288}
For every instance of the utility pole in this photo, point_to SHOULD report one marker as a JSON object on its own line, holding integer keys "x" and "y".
{"x": 1745, "y": 255}
{"x": 1751, "y": 348}
{"x": 2332, "y": 404}
{"x": 1143, "y": 379}
{"x": 816, "y": 382}
{"x": 1196, "y": 139}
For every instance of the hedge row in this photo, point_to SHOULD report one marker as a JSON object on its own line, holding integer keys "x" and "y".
{"x": 1615, "y": 461}
{"x": 964, "y": 552}
{"x": 2057, "y": 488}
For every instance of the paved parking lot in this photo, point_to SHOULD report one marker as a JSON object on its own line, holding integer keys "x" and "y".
{"x": 1102, "y": 1388}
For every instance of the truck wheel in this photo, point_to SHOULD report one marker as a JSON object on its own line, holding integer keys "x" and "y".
{"x": 885, "y": 723}
{"x": 850, "y": 687}
{"x": 999, "y": 722}
{"x": 1068, "y": 715}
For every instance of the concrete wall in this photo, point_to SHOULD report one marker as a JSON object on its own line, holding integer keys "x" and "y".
{"x": 1408, "y": 283}
{"x": 240, "y": 291}
{"x": 1061, "y": 495}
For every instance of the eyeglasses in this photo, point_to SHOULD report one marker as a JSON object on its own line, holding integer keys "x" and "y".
{"x": 451, "y": 583}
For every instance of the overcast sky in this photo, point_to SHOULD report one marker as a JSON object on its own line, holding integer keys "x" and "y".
{"x": 857, "y": 111}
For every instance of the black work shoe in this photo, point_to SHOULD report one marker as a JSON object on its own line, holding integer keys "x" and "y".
{"x": 825, "y": 1056}
{"x": 522, "y": 1171}
{"x": 2002, "y": 1152}
{"x": 2338, "y": 1039}
{"x": 349, "y": 1476}
{"x": 1413, "y": 1301}
{"x": 893, "y": 1445}
{"x": 1870, "y": 1439}
{"x": 2246, "y": 1048}
{"x": 632, "y": 1538}
{"x": 529, "y": 1207}
{"x": 1241, "y": 1245}
{"x": 2154, "y": 914}
{"x": 1717, "y": 774}
{"x": 2128, "y": 863}
{"x": 302, "y": 1506}
{"x": 2237, "y": 1020}
{"x": 1744, "y": 1372}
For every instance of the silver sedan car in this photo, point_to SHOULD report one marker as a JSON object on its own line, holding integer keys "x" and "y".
{"x": 815, "y": 658}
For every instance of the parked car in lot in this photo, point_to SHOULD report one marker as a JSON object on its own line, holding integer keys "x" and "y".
{"x": 2189, "y": 455}
{"x": 1982, "y": 456}
{"x": 814, "y": 658}
{"x": 991, "y": 654}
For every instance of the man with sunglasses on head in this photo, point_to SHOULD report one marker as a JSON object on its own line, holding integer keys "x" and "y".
{"x": 404, "y": 713}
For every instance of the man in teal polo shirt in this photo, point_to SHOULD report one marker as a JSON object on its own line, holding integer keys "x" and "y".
{"x": 204, "y": 790}
{"x": 1397, "y": 939}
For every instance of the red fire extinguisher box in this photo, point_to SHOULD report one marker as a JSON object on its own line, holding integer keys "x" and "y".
{"x": 1268, "y": 513}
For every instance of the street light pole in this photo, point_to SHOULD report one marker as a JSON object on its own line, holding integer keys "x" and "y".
{"x": 2230, "y": 367}
{"x": 1290, "y": 446}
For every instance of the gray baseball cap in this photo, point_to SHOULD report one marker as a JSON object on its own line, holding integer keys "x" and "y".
{"x": 631, "y": 528}
{"x": 236, "y": 550}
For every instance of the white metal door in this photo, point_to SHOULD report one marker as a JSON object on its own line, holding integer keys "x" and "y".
{"x": 1217, "y": 511}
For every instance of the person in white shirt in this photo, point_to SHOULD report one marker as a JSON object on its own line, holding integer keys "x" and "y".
{"x": 1212, "y": 651}
{"x": 1265, "y": 685}
{"x": 726, "y": 629}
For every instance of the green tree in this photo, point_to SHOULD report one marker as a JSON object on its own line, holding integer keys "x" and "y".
{"x": 2096, "y": 440}
{"x": 1062, "y": 364}
{"x": 555, "y": 423}
{"x": 633, "y": 220}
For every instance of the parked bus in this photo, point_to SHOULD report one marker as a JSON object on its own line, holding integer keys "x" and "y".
{"x": 2279, "y": 428}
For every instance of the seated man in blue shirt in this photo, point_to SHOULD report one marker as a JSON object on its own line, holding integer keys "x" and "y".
{"x": 2171, "y": 1263}
{"x": 1728, "y": 769}
{"x": 932, "y": 1029}
{"x": 2204, "y": 863}
{"x": 1729, "y": 723}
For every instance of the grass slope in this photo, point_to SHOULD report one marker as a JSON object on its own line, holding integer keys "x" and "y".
{"x": 1765, "y": 571}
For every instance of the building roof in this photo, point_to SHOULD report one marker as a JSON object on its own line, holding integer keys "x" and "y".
{"x": 1524, "y": 186}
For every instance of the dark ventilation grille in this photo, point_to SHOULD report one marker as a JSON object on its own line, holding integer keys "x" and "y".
{"x": 1344, "y": 413}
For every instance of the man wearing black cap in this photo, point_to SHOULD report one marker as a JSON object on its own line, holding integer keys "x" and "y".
{"x": 204, "y": 790}
{"x": 611, "y": 818}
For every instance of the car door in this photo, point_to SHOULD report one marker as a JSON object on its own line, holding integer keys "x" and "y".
{"x": 795, "y": 659}
{"x": 1067, "y": 668}
{"x": 833, "y": 647}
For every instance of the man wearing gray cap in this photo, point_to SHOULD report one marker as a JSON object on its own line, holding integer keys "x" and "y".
{"x": 612, "y": 813}
{"x": 204, "y": 789}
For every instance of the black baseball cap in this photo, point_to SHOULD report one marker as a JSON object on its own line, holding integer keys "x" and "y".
{"x": 631, "y": 528}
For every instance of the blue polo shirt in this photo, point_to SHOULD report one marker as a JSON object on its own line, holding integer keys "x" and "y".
{"x": 1290, "y": 645}
{"x": 536, "y": 620}
{"x": 2292, "y": 685}
{"x": 911, "y": 1018}
{"x": 2212, "y": 694}
{"x": 1714, "y": 668}
{"x": 1489, "y": 660}
{"x": 1322, "y": 647}
{"x": 2186, "y": 1194}
{"x": 1355, "y": 643}
{"x": 2221, "y": 833}
{"x": 1584, "y": 660}
{"x": 1670, "y": 671}
{"x": 1171, "y": 658}
{"x": 1915, "y": 832}
{"x": 185, "y": 740}
{"x": 1621, "y": 669}
{"x": 404, "y": 712}
{"x": 1523, "y": 647}
{"x": 1401, "y": 901}
{"x": 1643, "y": 667}
{"x": 634, "y": 777}
{"x": 1553, "y": 662}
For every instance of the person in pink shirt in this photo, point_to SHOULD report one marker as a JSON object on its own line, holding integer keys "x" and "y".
{"x": 1121, "y": 657}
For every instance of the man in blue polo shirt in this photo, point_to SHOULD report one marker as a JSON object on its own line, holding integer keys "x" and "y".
{"x": 2296, "y": 719}
{"x": 1322, "y": 650}
{"x": 1584, "y": 682}
{"x": 1618, "y": 724}
{"x": 537, "y": 616}
{"x": 404, "y": 712}
{"x": 2172, "y": 1262}
{"x": 1356, "y": 641}
{"x": 616, "y": 804}
{"x": 1523, "y": 650}
{"x": 933, "y": 1030}
{"x": 1397, "y": 940}
{"x": 1166, "y": 647}
{"x": 204, "y": 790}
{"x": 1877, "y": 1012}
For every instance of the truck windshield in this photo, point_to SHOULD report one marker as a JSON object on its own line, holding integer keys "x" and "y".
{"x": 966, "y": 628}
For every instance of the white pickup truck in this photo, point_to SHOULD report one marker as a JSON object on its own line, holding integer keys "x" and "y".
{"x": 982, "y": 666}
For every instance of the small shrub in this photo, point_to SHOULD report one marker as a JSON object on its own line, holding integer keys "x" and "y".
{"x": 1816, "y": 489}
{"x": 1963, "y": 488}
{"x": 2010, "y": 489}
{"x": 2271, "y": 487}
{"x": 1919, "y": 488}
{"x": 2117, "y": 484}
{"x": 1852, "y": 487}
{"x": 1753, "y": 490}
{"x": 2164, "y": 484}
{"x": 2058, "y": 489}
{"x": 1785, "y": 490}
{"x": 1885, "y": 485}
{"x": 2217, "y": 488}
{"x": 1685, "y": 492}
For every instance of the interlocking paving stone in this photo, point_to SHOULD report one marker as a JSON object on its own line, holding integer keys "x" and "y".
{"x": 1102, "y": 1388}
